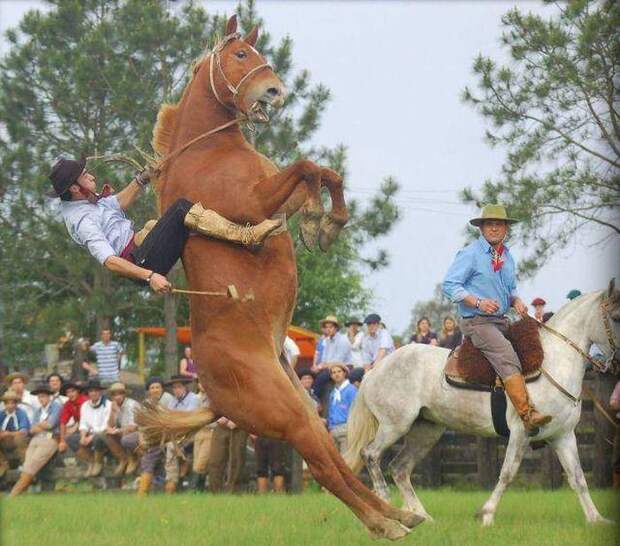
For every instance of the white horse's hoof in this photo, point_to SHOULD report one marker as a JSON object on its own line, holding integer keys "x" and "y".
{"x": 487, "y": 520}
{"x": 602, "y": 521}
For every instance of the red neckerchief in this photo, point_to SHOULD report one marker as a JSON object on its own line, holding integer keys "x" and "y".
{"x": 496, "y": 260}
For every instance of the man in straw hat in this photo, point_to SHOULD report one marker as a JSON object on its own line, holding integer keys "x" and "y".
{"x": 336, "y": 349}
{"x": 482, "y": 281}
{"x": 122, "y": 432}
{"x": 44, "y": 431}
{"x": 14, "y": 426}
{"x": 98, "y": 222}
{"x": 17, "y": 381}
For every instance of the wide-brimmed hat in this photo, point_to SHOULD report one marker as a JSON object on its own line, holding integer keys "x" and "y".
{"x": 10, "y": 395}
{"x": 574, "y": 293}
{"x": 93, "y": 384}
{"x": 538, "y": 301}
{"x": 372, "y": 318}
{"x": 340, "y": 365}
{"x": 64, "y": 173}
{"x": 353, "y": 320}
{"x": 116, "y": 388}
{"x": 179, "y": 378}
{"x": 492, "y": 212}
{"x": 17, "y": 375}
{"x": 330, "y": 318}
{"x": 70, "y": 385}
{"x": 42, "y": 387}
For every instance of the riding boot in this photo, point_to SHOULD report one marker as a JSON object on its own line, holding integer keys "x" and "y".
{"x": 120, "y": 455}
{"x": 517, "y": 392}
{"x": 97, "y": 466}
{"x": 144, "y": 483}
{"x": 22, "y": 484}
{"x": 210, "y": 223}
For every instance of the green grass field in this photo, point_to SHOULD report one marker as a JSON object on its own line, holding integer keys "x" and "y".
{"x": 534, "y": 517}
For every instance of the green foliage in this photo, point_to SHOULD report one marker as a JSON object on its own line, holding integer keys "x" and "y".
{"x": 553, "y": 108}
{"x": 89, "y": 77}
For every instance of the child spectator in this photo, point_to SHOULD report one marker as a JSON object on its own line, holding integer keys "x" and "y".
{"x": 340, "y": 401}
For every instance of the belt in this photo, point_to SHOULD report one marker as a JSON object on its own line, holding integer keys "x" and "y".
{"x": 127, "y": 252}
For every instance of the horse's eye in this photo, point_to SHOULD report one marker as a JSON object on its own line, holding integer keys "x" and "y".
{"x": 241, "y": 54}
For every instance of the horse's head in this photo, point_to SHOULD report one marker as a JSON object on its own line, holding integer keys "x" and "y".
{"x": 608, "y": 335}
{"x": 240, "y": 77}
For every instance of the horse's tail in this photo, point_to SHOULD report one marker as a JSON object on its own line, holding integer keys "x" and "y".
{"x": 362, "y": 427}
{"x": 159, "y": 425}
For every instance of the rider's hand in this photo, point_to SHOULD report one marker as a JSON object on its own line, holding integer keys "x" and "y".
{"x": 145, "y": 175}
{"x": 489, "y": 307}
{"x": 520, "y": 307}
{"x": 159, "y": 284}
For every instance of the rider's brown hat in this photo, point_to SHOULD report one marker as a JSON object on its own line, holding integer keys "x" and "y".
{"x": 64, "y": 173}
{"x": 492, "y": 212}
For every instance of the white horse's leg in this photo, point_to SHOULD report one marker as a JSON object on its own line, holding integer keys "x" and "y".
{"x": 514, "y": 454}
{"x": 420, "y": 439}
{"x": 387, "y": 434}
{"x": 566, "y": 450}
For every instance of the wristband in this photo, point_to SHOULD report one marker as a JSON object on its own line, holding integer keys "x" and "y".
{"x": 148, "y": 279}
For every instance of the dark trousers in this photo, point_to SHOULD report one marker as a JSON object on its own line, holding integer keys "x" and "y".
{"x": 163, "y": 246}
{"x": 227, "y": 456}
{"x": 269, "y": 456}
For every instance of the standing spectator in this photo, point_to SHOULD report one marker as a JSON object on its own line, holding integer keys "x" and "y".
{"x": 14, "y": 427}
{"x": 83, "y": 367}
{"x": 318, "y": 351}
{"x": 54, "y": 382}
{"x": 270, "y": 459}
{"x": 228, "y": 446}
{"x": 336, "y": 349}
{"x": 109, "y": 354}
{"x": 355, "y": 336}
{"x": 202, "y": 447}
{"x": 44, "y": 443}
{"x": 94, "y": 417}
{"x": 70, "y": 421}
{"x": 187, "y": 366}
{"x": 28, "y": 402}
{"x": 451, "y": 335}
{"x": 376, "y": 343}
{"x": 614, "y": 403}
{"x": 122, "y": 431}
{"x": 539, "y": 308}
{"x": 340, "y": 401}
{"x": 423, "y": 333}
{"x": 291, "y": 351}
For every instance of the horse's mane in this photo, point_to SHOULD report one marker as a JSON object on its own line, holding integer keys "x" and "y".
{"x": 571, "y": 306}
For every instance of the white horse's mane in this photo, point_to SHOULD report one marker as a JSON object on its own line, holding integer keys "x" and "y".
{"x": 570, "y": 307}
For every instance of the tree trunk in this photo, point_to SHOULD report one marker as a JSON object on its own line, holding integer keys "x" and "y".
{"x": 170, "y": 322}
{"x": 103, "y": 286}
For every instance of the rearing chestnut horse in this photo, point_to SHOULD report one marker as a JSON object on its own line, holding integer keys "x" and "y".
{"x": 237, "y": 344}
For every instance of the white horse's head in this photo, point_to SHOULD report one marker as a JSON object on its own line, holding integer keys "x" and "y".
{"x": 604, "y": 325}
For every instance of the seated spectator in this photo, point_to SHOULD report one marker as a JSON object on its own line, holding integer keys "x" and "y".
{"x": 356, "y": 375}
{"x": 94, "y": 417}
{"x": 14, "y": 427}
{"x": 70, "y": 421}
{"x": 44, "y": 444}
{"x": 270, "y": 461}
{"x": 336, "y": 349}
{"x": 227, "y": 458}
{"x": 306, "y": 378}
{"x": 54, "y": 382}
{"x": 377, "y": 342}
{"x": 187, "y": 366}
{"x": 423, "y": 333}
{"x": 450, "y": 336}
{"x": 122, "y": 431}
{"x": 355, "y": 336}
{"x": 16, "y": 381}
{"x": 340, "y": 401}
{"x": 539, "y": 308}
{"x": 202, "y": 448}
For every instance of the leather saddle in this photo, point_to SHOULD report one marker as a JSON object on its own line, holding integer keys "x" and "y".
{"x": 467, "y": 367}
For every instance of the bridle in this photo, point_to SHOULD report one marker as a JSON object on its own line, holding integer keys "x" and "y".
{"x": 215, "y": 60}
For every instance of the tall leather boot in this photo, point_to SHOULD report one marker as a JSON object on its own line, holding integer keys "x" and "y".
{"x": 119, "y": 454}
{"x": 517, "y": 392}
{"x": 170, "y": 487}
{"x": 97, "y": 466}
{"x": 22, "y": 484}
{"x": 210, "y": 223}
{"x": 144, "y": 484}
{"x": 86, "y": 455}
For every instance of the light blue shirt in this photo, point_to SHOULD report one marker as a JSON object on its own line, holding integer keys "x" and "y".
{"x": 372, "y": 344}
{"x": 189, "y": 402}
{"x": 101, "y": 227}
{"x": 336, "y": 349}
{"x": 340, "y": 401}
{"x": 51, "y": 414}
{"x": 471, "y": 274}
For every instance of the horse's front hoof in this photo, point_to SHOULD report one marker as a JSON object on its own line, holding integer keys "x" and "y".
{"x": 390, "y": 529}
{"x": 329, "y": 231}
{"x": 309, "y": 228}
{"x": 413, "y": 519}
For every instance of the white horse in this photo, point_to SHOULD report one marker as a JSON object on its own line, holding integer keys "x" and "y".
{"x": 406, "y": 395}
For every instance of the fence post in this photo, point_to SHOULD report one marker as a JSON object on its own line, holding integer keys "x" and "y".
{"x": 604, "y": 432}
{"x": 486, "y": 459}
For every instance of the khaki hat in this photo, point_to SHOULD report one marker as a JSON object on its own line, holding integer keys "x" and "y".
{"x": 492, "y": 212}
{"x": 10, "y": 395}
{"x": 17, "y": 375}
{"x": 330, "y": 318}
{"x": 117, "y": 387}
{"x": 340, "y": 365}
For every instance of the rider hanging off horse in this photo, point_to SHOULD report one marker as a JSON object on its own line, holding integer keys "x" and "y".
{"x": 482, "y": 281}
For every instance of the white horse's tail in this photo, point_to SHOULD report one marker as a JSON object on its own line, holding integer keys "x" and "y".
{"x": 361, "y": 429}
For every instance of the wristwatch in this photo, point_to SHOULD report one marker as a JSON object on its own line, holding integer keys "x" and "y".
{"x": 478, "y": 302}
{"x": 148, "y": 279}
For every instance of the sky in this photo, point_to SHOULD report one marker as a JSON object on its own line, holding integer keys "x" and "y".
{"x": 396, "y": 71}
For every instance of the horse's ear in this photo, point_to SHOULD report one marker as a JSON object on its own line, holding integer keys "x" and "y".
{"x": 251, "y": 36}
{"x": 231, "y": 26}
{"x": 612, "y": 287}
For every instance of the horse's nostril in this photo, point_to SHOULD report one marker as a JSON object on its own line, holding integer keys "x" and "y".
{"x": 273, "y": 91}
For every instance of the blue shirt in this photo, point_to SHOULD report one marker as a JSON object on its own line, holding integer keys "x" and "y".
{"x": 52, "y": 416}
{"x": 471, "y": 274}
{"x": 338, "y": 410}
{"x": 336, "y": 349}
{"x": 189, "y": 402}
{"x": 15, "y": 422}
{"x": 372, "y": 344}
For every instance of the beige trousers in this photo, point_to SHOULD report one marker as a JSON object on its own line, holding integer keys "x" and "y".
{"x": 202, "y": 450}
{"x": 39, "y": 452}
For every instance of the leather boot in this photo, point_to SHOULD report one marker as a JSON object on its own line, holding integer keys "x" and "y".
{"x": 120, "y": 455}
{"x": 144, "y": 483}
{"x": 97, "y": 466}
{"x": 132, "y": 465}
{"x": 517, "y": 392}
{"x": 86, "y": 455}
{"x": 170, "y": 487}
{"x": 139, "y": 237}
{"x": 22, "y": 484}
{"x": 210, "y": 223}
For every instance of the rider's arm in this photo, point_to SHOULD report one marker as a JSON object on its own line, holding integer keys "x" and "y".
{"x": 128, "y": 195}
{"x": 119, "y": 265}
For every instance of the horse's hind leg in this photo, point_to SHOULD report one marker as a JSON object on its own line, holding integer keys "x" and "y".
{"x": 566, "y": 450}
{"x": 420, "y": 439}
{"x": 333, "y": 222}
{"x": 514, "y": 454}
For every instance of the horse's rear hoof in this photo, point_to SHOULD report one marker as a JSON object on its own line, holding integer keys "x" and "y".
{"x": 390, "y": 529}
{"x": 411, "y": 519}
{"x": 329, "y": 231}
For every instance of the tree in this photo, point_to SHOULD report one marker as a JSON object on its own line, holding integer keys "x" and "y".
{"x": 435, "y": 309}
{"x": 90, "y": 77}
{"x": 554, "y": 109}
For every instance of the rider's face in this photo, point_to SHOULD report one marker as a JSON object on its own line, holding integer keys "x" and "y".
{"x": 87, "y": 181}
{"x": 494, "y": 231}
